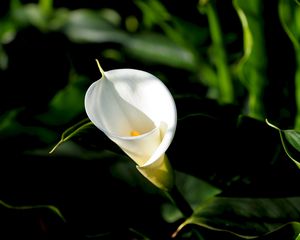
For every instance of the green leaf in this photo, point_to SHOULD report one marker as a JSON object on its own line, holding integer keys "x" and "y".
{"x": 194, "y": 191}
{"x": 245, "y": 218}
{"x": 179, "y": 49}
{"x": 298, "y": 237}
{"x": 88, "y": 26}
{"x": 289, "y": 137}
{"x": 293, "y": 137}
{"x": 67, "y": 103}
{"x": 157, "y": 48}
{"x": 153, "y": 12}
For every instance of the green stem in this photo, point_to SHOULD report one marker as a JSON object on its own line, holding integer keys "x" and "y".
{"x": 180, "y": 202}
{"x": 224, "y": 79}
{"x": 252, "y": 67}
{"x": 46, "y": 7}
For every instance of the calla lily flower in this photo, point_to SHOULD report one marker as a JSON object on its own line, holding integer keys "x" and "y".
{"x": 137, "y": 112}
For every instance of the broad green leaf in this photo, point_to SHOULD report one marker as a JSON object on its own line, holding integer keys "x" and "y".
{"x": 194, "y": 191}
{"x": 252, "y": 67}
{"x": 88, "y": 26}
{"x": 298, "y": 237}
{"x": 157, "y": 48}
{"x": 245, "y": 218}
{"x": 289, "y": 137}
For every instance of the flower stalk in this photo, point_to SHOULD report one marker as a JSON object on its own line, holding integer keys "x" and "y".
{"x": 179, "y": 201}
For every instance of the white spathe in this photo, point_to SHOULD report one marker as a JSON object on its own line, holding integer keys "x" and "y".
{"x": 124, "y": 101}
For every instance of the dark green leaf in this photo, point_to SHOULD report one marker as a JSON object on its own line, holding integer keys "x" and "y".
{"x": 244, "y": 217}
{"x": 67, "y": 103}
{"x": 194, "y": 191}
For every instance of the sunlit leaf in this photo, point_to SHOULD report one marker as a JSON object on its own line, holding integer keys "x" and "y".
{"x": 46, "y": 6}
{"x": 252, "y": 67}
{"x": 244, "y": 217}
{"x": 158, "y": 49}
{"x": 88, "y": 26}
{"x": 293, "y": 137}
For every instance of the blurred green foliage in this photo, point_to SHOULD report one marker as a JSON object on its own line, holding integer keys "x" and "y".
{"x": 229, "y": 65}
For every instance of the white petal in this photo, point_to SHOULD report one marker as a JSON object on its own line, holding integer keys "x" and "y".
{"x": 139, "y": 148}
{"x": 145, "y": 92}
{"x": 111, "y": 113}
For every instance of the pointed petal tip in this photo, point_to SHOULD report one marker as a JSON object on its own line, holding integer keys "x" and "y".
{"x": 100, "y": 68}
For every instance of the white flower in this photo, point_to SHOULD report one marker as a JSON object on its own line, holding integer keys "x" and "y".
{"x": 136, "y": 111}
